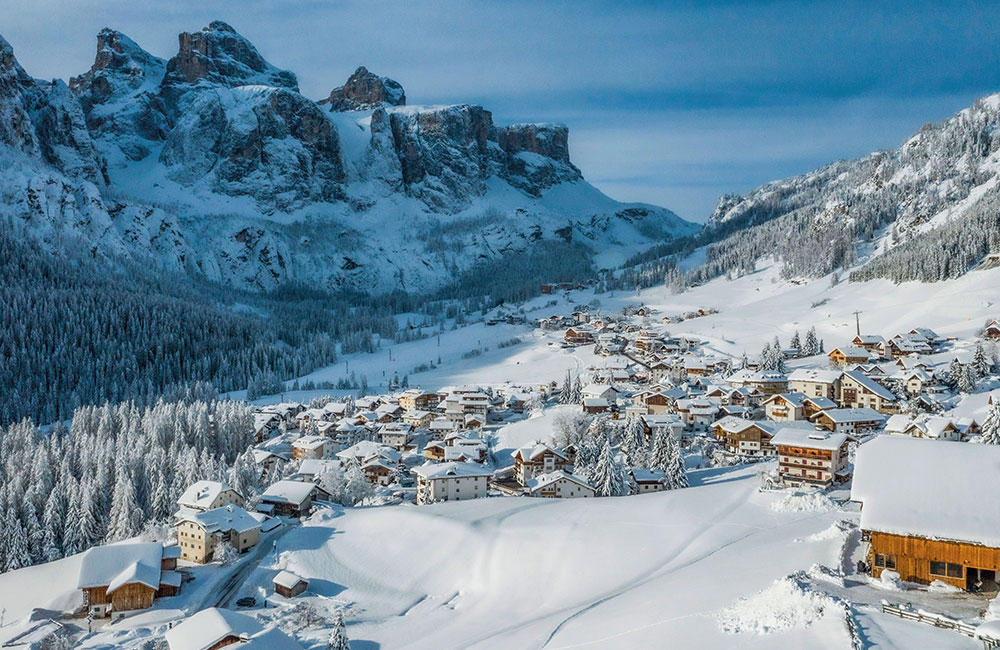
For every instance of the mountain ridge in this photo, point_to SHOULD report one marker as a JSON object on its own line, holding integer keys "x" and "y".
{"x": 213, "y": 163}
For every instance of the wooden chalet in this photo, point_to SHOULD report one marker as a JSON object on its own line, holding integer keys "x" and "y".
{"x": 127, "y": 577}
{"x": 927, "y": 530}
{"x": 849, "y": 355}
{"x": 289, "y": 585}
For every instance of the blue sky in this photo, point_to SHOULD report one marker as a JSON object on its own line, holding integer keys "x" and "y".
{"x": 669, "y": 103}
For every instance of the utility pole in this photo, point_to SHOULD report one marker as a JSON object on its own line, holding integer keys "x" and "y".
{"x": 857, "y": 322}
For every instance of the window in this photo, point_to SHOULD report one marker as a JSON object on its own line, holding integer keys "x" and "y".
{"x": 954, "y": 570}
{"x": 885, "y": 561}
{"x": 939, "y": 569}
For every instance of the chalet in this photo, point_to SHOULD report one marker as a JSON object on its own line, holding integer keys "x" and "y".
{"x": 785, "y": 406}
{"x": 744, "y": 437}
{"x": 451, "y": 482}
{"x": 536, "y": 460}
{"x": 660, "y": 370}
{"x": 848, "y": 355}
{"x": 126, "y": 577}
{"x": 902, "y": 345}
{"x": 215, "y": 628}
{"x": 208, "y": 495}
{"x": 647, "y": 480}
{"x": 288, "y": 584}
{"x": 290, "y": 498}
{"x": 559, "y": 485}
{"x": 857, "y": 391}
{"x": 992, "y": 330}
{"x": 310, "y": 416}
{"x": 309, "y": 447}
{"x": 287, "y": 411}
{"x": 870, "y": 342}
{"x": 199, "y": 533}
{"x": 311, "y": 469}
{"x": 580, "y": 335}
{"x": 653, "y": 424}
{"x": 595, "y": 405}
{"x": 268, "y": 459}
{"x": 440, "y": 426}
{"x": 474, "y": 421}
{"x": 933, "y": 427}
{"x": 850, "y": 421}
{"x": 396, "y": 434}
{"x": 415, "y": 399}
{"x": 419, "y": 419}
{"x": 746, "y": 396}
{"x": 767, "y": 382}
{"x": 264, "y": 424}
{"x": 515, "y": 402}
{"x": 697, "y": 413}
{"x": 378, "y": 471}
{"x": 928, "y": 530}
{"x": 816, "y": 383}
{"x": 810, "y": 457}
{"x": 813, "y": 405}
{"x": 916, "y": 380}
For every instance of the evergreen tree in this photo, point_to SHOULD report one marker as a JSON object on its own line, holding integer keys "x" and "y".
{"x": 634, "y": 441}
{"x": 954, "y": 373}
{"x": 608, "y": 476}
{"x": 980, "y": 365}
{"x": 338, "y": 637}
{"x": 125, "y": 519}
{"x": 967, "y": 379}
{"x": 796, "y": 343}
{"x": 811, "y": 345}
{"x": 991, "y": 426}
{"x": 15, "y": 540}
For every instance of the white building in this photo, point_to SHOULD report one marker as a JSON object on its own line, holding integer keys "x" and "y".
{"x": 451, "y": 482}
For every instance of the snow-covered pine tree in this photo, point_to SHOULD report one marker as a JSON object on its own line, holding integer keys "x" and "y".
{"x": 15, "y": 540}
{"x": 811, "y": 345}
{"x": 608, "y": 476}
{"x": 125, "y": 519}
{"x": 338, "y": 636}
{"x": 633, "y": 443}
{"x": 796, "y": 343}
{"x": 675, "y": 473}
{"x": 954, "y": 372}
{"x": 991, "y": 426}
{"x": 980, "y": 364}
{"x": 967, "y": 379}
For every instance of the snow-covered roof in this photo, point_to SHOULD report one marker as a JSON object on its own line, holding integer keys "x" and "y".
{"x": 209, "y": 626}
{"x": 852, "y": 352}
{"x": 287, "y": 579}
{"x": 310, "y": 442}
{"x": 540, "y": 482}
{"x": 926, "y": 488}
{"x": 294, "y": 492}
{"x": 642, "y": 475}
{"x": 796, "y": 437}
{"x": 733, "y": 424}
{"x": 119, "y": 564}
{"x": 843, "y": 416}
{"x": 451, "y": 470}
{"x": 815, "y": 375}
{"x": 202, "y": 494}
{"x": 260, "y": 455}
{"x": 228, "y": 517}
{"x": 820, "y": 402}
{"x": 795, "y": 399}
{"x": 871, "y": 385}
{"x": 316, "y": 466}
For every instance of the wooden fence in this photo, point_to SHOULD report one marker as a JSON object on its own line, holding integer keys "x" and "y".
{"x": 938, "y": 620}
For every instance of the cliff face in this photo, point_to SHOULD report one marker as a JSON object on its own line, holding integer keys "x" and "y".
{"x": 214, "y": 163}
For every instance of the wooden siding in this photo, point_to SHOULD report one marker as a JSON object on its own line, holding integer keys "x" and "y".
{"x": 913, "y": 557}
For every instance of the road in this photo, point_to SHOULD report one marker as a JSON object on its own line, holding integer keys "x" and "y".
{"x": 226, "y": 592}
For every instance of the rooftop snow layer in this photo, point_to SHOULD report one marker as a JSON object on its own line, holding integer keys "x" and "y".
{"x": 926, "y": 488}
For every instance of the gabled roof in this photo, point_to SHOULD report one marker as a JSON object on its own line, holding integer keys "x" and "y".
{"x": 851, "y": 352}
{"x": 531, "y": 452}
{"x": 796, "y": 437}
{"x": 822, "y": 403}
{"x": 223, "y": 519}
{"x": 815, "y": 375}
{"x": 287, "y": 579}
{"x": 451, "y": 470}
{"x": 543, "y": 481}
{"x": 120, "y": 564}
{"x": 922, "y": 488}
{"x": 733, "y": 424}
{"x": 871, "y": 385}
{"x": 844, "y": 416}
{"x": 293, "y": 492}
{"x": 208, "y": 627}
{"x": 795, "y": 399}
{"x": 202, "y": 494}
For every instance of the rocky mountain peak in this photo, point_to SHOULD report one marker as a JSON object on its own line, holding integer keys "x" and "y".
{"x": 365, "y": 90}
{"x": 548, "y": 140}
{"x": 12, "y": 75}
{"x": 120, "y": 67}
{"x": 219, "y": 54}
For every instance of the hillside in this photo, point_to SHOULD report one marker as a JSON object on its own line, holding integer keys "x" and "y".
{"x": 213, "y": 163}
{"x": 924, "y": 211}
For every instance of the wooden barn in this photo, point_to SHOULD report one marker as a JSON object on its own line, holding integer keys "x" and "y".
{"x": 126, "y": 577}
{"x": 926, "y": 529}
{"x": 289, "y": 585}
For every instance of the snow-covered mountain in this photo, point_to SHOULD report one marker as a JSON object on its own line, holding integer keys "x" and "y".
{"x": 214, "y": 163}
{"x": 919, "y": 212}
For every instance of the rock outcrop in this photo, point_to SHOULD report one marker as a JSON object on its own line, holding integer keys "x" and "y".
{"x": 365, "y": 90}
